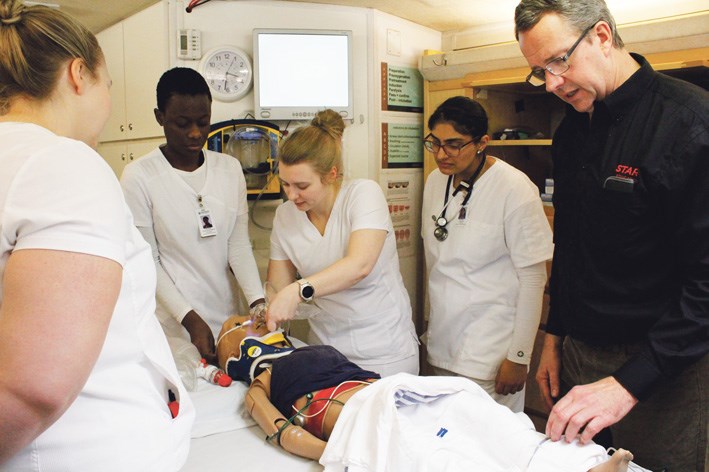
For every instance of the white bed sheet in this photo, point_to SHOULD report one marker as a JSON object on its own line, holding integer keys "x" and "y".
{"x": 226, "y": 438}
{"x": 243, "y": 449}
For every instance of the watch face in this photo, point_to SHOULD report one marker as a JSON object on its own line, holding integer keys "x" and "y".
{"x": 307, "y": 291}
{"x": 228, "y": 72}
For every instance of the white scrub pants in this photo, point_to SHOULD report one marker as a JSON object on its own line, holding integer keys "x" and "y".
{"x": 514, "y": 402}
{"x": 409, "y": 365}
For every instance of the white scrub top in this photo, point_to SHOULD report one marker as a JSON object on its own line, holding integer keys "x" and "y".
{"x": 370, "y": 322}
{"x": 58, "y": 194}
{"x": 197, "y": 265}
{"x": 472, "y": 282}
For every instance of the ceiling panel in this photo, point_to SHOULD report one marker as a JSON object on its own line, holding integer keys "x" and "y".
{"x": 440, "y": 15}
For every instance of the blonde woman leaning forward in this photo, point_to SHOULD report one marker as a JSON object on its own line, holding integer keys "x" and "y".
{"x": 86, "y": 371}
{"x": 338, "y": 237}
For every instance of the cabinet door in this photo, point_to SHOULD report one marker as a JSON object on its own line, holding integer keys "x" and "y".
{"x": 137, "y": 149}
{"x": 114, "y": 154}
{"x": 121, "y": 153}
{"x": 145, "y": 45}
{"x": 111, "y": 41}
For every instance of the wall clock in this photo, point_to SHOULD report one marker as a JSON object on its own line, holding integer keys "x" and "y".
{"x": 228, "y": 72}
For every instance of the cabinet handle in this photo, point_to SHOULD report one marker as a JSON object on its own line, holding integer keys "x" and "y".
{"x": 130, "y": 126}
{"x": 122, "y": 128}
{"x": 130, "y": 156}
{"x": 123, "y": 156}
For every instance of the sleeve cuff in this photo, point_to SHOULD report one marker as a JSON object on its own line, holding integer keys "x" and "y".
{"x": 519, "y": 357}
{"x": 638, "y": 376}
{"x": 553, "y": 325}
{"x": 180, "y": 314}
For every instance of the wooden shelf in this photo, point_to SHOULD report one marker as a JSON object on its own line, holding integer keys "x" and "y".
{"x": 519, "y": 142}
{"x": 511, "y": 102}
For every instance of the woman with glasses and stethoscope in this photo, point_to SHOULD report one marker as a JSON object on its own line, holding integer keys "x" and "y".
{"x": 486, "y": 240}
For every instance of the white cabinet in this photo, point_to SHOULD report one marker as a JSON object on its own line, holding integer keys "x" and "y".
{"x": 120, "y": 153}
{"x": 136, "y": 52}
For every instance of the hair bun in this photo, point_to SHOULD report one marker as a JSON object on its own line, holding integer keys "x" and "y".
{"x": 12, "y": 13}
{"x": 329, "y": 121}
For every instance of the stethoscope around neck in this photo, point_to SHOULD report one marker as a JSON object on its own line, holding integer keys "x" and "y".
{"x": 440, "y": 232}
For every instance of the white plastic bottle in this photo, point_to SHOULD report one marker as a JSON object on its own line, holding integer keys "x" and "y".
{"x": 187, "y": 360}
{"x": 213, "y": 374}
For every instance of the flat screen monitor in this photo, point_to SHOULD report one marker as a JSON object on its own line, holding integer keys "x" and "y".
{"x": 300, "y": 72}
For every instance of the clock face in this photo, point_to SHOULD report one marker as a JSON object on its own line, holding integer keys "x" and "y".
{"x": 228, "y": 72}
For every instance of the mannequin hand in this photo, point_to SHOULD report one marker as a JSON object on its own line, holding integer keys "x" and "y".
{"x": 590, "y": 408}
{"x": 548, "y": 370}
{"x": 510, "y": 378}
{"x": 201, "y": 336}
{"x": 282, "y": 307}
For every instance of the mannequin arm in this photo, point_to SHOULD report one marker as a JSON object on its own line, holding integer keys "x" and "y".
{"x": 293, "y": 439}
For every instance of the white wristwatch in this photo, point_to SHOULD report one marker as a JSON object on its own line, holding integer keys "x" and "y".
{"x": 307, "y": 291}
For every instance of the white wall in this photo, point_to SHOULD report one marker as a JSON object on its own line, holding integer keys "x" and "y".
{"x": 413, "y": 39}
{"x": 232, "y": 22}
{"x": 474, "y": 52}
{"x": 625, "y": 12}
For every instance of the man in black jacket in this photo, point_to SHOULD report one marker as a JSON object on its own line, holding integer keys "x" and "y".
{"x": 629, "y": 315}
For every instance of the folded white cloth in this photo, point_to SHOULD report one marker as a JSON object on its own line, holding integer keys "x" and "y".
{"x": 405, "y": 422}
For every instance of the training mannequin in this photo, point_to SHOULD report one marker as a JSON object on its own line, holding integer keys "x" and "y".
{"x": 239, "y": 339}
{"x": 249, "y": 352}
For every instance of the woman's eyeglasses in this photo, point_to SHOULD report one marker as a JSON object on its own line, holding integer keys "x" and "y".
{"x": 451, "y": 149}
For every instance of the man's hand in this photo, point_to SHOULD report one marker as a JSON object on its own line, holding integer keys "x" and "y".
{"x": 587, "y": 409}
{"x": 201, "y": 336}
{"x": 510, "y": 378}
{"x": 548, "y": 370}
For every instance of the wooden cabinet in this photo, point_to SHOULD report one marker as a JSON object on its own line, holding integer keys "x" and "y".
{"x": 136, "y": 52}
{"x": 120, "y": 153}
{"x": 512, "y": 103}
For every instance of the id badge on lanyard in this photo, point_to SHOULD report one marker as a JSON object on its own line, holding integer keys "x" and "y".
{"x": 462, "y": 219}
{"x": 204, "y": 220}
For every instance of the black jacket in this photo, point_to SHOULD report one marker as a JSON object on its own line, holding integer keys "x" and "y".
{"x": 631, "y": 225}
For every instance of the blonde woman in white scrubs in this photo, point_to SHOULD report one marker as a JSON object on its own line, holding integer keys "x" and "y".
{"x": 486, "y": 240}
{"x": 333, "y": 247}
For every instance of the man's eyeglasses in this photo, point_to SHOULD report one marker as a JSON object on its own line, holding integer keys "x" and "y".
{"x": 451, "y": 149}
{"x": 556, "y": 66}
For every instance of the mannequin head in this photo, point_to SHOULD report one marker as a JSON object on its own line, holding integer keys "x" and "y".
{"x": 245, "y": 350}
